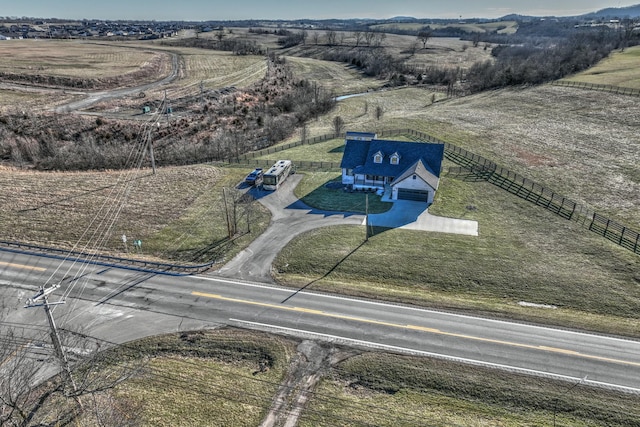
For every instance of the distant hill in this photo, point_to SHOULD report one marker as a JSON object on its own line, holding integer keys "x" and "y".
{"x": 616, "y": 12}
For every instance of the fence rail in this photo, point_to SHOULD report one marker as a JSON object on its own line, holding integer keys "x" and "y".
{"x": 152, "y": 266}
{"x": 480, "y": 168}
{"x": 484, "y": 169}
{"x": 594, "y": 86}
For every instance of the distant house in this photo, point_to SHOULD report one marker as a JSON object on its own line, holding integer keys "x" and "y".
{"x": 409, "y": 170}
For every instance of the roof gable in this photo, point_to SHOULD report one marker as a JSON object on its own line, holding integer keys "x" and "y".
{"x": 359, "y": 155}
{"x": 419, "y": 169}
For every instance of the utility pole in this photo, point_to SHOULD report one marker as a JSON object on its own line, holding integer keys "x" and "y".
{"x": 40, "y": 300}
{"x": 366, "y": 217}
{"x": 153, "y": 159}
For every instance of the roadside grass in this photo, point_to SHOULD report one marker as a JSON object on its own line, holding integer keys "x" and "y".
{"x": 523, "y": 254}
{"x": 391, "y": 390}
{"x": 211, "y": 378}
{"x": 619, "y": 69}
{"x": 178, "y": 213}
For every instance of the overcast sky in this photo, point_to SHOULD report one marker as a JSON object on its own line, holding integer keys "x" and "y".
{"x": 204, "y": 10}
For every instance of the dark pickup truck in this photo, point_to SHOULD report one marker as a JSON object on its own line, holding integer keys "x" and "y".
{"x": 255, "y": 177}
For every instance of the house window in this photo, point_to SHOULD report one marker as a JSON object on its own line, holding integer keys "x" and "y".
{"x": 349, "y": 172}
{"x": 377, "y": 158}
{"x": 395, "y": 159}
{"x": 414, "y": 177}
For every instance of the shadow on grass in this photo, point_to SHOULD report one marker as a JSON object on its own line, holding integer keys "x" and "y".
{"x": 332, "y": 196}
{"x": 325, "y": 274}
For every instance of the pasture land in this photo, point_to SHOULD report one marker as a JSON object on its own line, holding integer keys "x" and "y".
{"x": 337, "y": 77}
{"x": 208, "y": 70}
{"x": 77, "y": 59}
{"x": 619, "y": 69}
{"x": 581, "y": 144}
{"x": 178, "y": 213}
{"x": 502, "y": 27}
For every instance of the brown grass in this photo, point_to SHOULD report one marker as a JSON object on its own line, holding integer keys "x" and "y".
{"x": 73, "y": 58}
{"x": 58, "y": 208}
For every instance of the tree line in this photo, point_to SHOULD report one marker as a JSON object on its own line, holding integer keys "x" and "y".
{"x": 216, "y": 128}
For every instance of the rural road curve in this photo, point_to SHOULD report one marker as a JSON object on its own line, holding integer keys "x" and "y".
{"x": 95, "y": 97}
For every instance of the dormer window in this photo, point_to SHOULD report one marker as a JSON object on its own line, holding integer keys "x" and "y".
{"x": 394, "y": 159}
{"x": 377, "y": 158}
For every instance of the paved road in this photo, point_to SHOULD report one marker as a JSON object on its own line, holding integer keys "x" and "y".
{"x": 119, "y": 305}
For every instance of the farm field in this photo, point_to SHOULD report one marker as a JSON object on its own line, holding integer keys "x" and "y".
{"x": 116, "y": 64}
{"x": 177, "y": 213}
{"x": 619, "y": 69}
{"x": 581, "y": 144}
{"x": 73, "y": 58}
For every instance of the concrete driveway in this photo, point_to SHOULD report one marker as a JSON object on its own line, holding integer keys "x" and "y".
{"x": 291, "y": 217}
{"x": 415, "y": 216}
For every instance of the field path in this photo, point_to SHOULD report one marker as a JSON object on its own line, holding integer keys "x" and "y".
{"x": 95, "y": 97}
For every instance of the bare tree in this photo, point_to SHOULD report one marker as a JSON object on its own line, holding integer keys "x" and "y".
{"x": 220, "y": 34}
{"x": 357, "y": 35}
{"x": 331, "y": 37}
{"x": 342, "y": 37}
{"x": 413, "y": 48}
{"x": 315, "y": 37}
{"x": 424, "y": 36}
{"x": 378, "y": 38}
{"x": 368, "y": 36}
{"x": 31, "y": 393}
{"x": 338, "y": 125}
{"x": 379, "y": 112}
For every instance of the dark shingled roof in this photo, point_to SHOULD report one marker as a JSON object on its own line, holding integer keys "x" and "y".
{"x": 359, "y": 155}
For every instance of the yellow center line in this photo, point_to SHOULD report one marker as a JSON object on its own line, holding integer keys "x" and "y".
{"x": 416, "y": 328}
{"x": 26, "y": 267}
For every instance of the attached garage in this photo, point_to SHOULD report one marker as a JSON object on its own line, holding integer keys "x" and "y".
{"x": 415, "y": 195}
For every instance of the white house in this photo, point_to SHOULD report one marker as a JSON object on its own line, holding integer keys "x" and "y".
{"x": 410, "y": 170}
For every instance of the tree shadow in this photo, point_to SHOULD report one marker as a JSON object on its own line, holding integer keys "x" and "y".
{"x": 325, "y": 274}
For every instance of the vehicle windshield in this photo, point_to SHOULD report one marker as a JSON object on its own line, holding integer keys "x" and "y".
{"x": 269, "y": 180}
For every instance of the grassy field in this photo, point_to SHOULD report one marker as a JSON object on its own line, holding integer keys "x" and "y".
{"x": 619, "y": 69}
{"x": 387, "y": 390}
{"x": 339, "y": 78}
{"x": 218, "y": 378}
{"x": 503, "y": 27}
{"x": 178, "y": 213}
{"x": 523, "y": 254}
{"x": 209, "y": 378}
{"x": 72, "y": 58}
{"x": 213, "y": 69}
